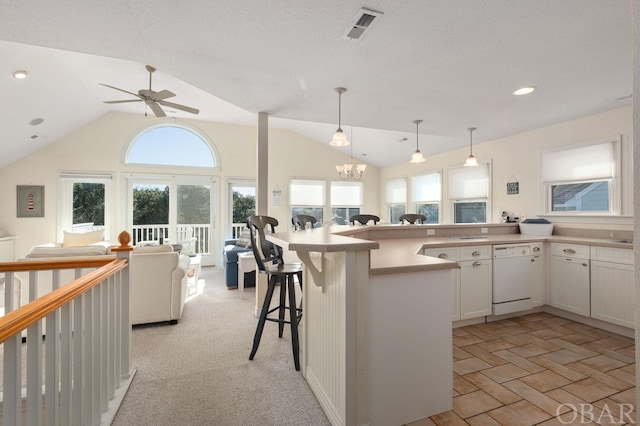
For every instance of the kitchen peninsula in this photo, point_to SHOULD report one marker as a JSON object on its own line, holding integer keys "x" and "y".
{"x": 377, "y": 314}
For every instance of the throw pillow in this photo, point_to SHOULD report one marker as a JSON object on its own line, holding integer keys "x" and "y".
{"x": 244, "y": 240}
{"x": 78, "y": 239}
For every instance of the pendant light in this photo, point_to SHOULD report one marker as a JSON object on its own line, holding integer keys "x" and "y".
{"x": 339, "y": 138}
{"x": 471, "y": 160}
{"x": 417, "y": 156}
{"x": 351, "y": 170}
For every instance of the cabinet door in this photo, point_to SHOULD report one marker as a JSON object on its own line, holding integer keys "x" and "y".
{"x": 475, "y": 288}
{"x": 570, "y": 285}
{"x": 612, "y": 293}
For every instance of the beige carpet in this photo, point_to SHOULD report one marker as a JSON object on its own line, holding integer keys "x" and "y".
{"x": 198, "y": 372}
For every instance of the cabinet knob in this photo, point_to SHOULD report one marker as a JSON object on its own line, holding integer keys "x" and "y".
{"x": 477, "y": 263}
{"x": 569, "y": 251}
{"x": 584, "y": 264}
{"x": 475, "y": 253}
{"x": 536, "y": 249}
{"x": 443, "y": 256}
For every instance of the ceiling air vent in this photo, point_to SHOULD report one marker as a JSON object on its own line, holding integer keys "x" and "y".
{"x": 361, "y": 24}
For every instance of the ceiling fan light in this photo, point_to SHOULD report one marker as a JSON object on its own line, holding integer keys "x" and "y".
{"x": 339, "y": 139}
{"x": 471, "y": 161}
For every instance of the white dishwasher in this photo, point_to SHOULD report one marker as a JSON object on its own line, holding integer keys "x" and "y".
{"x": 512, "y": 278}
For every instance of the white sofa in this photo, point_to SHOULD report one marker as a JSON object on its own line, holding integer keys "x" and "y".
{"x": 158, "y": 278}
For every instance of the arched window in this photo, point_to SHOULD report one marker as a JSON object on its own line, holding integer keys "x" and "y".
{"x": 171, "y": 145}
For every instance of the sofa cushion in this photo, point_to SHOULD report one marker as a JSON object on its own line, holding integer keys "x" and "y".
{"x": 78, "y": 239}
{"x": 57, "y": 250}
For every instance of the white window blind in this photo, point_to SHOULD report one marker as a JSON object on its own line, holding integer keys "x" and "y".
{"x": 587, "y": 162}
{"x": 469, "y": 182}
{"x": 346, "y": 193}
{"x": 306, "y": 192}
{"x": 426, "y": 187}
{"x": 396, "y": 191}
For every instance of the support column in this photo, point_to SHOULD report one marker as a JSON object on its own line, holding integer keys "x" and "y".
{"x": 262, "y": 163}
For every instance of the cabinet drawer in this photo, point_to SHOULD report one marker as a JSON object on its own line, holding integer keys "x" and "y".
{"x": 475, "y": 252}
{"x": 449, "y": 253}
{"x": 570, "y": 250}
{"x": 612, "y": 254}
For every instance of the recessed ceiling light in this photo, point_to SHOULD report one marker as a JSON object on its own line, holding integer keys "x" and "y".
{"x": 524, "y": 90}
{"x": 19, "y": 75}
{"x": 36, "y": 121}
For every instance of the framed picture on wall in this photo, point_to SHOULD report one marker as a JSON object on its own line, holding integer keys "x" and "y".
{"x": 30, "y": 200}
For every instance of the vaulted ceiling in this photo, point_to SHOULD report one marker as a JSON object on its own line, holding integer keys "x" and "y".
{"x": 453, "y": 64}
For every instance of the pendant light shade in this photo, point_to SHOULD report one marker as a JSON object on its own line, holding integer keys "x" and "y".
{"x": 471, "y": 160}
{"x": 417, "y": 156}
{"x": 339, "y": 138}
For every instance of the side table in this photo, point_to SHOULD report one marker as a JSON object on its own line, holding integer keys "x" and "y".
{"x": 246, "y": 263}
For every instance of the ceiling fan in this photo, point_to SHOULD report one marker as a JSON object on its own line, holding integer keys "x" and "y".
{"x": 152, "y": 98}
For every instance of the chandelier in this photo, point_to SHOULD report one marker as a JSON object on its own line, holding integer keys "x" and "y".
{"x": 351, "y": 170}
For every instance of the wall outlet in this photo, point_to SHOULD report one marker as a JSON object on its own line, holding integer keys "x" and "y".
{"x": 431, "y": 232}
{"x": 484, "y": 230}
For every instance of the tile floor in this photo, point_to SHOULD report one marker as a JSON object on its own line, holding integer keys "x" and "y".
{"x": 540, "y": 369}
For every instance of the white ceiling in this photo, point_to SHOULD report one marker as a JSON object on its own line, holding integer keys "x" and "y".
{"x": 453, "y": 64}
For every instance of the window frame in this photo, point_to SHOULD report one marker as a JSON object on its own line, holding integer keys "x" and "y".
{"x": 453, "y": 201}
{"x": 613, "y": 182}
{"x": 66, "y": 181}
{"x": 417, "y": 203}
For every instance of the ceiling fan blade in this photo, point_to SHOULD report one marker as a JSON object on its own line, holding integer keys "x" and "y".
{"x": 163, "y": 94}
{"x": 156, "y": 109}
{"x": 180, "y": 107}
{"x": 121, "y": 102}
{"x": 122, "y": 90}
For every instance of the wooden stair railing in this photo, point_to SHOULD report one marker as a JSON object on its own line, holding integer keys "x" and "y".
{"x": 87, "y": 361}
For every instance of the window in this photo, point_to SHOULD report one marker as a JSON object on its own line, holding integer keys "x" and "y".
{"x": 85, "y": 199}
{"x": 307, "y": 197}
{"x": 171, "y": 145}
{"x": 346, "y": 200}
{"x": 426, "y": 193}
{"x": 469, "y": 193}
{"x": 396, "y": 196}
{"x": 582, "y": 179}
{"x": 242, "y": 204}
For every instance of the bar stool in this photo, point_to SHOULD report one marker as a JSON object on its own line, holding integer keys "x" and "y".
{"x": 269, "y": 260}
{"x": 364, "y": 219}
{"x": 413, "y": 218}
{"x": 300, "y": 221}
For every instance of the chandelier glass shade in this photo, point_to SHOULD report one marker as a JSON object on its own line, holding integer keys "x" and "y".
{"x": 339, "y": 138}
{"x": 417, "y": 156}
{"x": 471, "y": 159}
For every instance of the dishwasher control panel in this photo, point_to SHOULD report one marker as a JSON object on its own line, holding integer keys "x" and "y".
{"x": 511, "y": 250}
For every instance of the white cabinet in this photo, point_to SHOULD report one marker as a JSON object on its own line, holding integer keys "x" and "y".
{"x": 569, "y": 272}
{"x": 472, "y": 282}
{"x": 537, "y": 274}
{"x": 612, "y": 285}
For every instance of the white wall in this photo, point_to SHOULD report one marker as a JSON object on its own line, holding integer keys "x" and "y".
{"x": 99, "y": 146}
{"x": 518, "y": 157}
